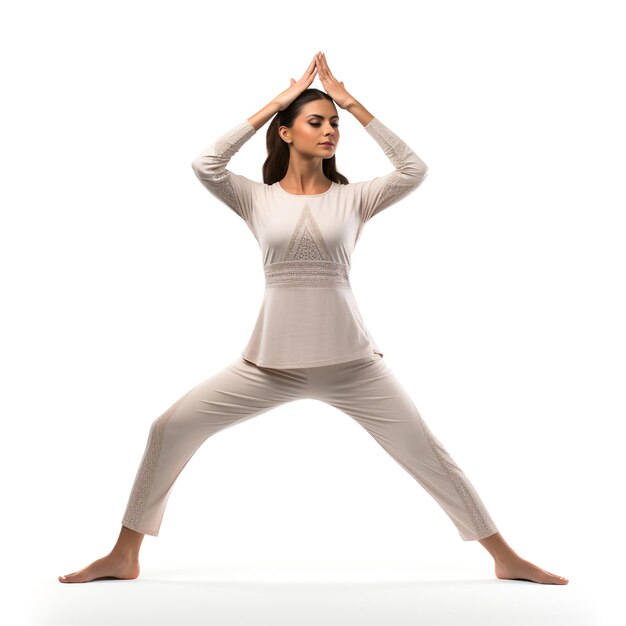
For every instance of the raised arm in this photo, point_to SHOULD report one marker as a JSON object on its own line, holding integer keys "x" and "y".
{"x": 383, "y": 191}
{"x": 234, "y": 190}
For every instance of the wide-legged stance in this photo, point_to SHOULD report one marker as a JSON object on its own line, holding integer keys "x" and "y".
{"x": 365, "y": 389}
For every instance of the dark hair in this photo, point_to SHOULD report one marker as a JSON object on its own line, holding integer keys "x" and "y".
{"x": 277, "y": 162}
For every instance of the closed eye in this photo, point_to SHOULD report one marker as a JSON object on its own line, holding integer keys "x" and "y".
{"x": 335, "y": 124}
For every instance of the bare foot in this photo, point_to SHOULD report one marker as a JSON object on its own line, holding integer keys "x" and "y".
{"x": 109, "y": 567}
{"x": 521, "y": 569}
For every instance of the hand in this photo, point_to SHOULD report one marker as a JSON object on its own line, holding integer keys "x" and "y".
{"x": 285, "y": 98}
{"x": 333, "y": 87}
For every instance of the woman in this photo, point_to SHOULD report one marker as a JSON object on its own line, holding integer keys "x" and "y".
{"x": 309, "y": 340}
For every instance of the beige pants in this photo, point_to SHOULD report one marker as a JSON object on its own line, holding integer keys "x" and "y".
{"x": 365, "y": 389}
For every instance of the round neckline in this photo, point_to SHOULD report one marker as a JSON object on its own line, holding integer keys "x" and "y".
{"x": 305, "y": 195}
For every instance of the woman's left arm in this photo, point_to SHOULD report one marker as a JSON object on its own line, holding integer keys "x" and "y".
{"x": 383, "y": 191}
{"x": 409, "y": 170}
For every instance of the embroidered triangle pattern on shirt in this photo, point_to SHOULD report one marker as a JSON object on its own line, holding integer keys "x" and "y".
{"x": 307, "y": 242}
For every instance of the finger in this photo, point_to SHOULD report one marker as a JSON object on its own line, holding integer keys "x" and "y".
{"x": 310, "y": 79}
{"x": 320, "y": 68}
{"x": 330, "y": 74}
{"x": 320, "y": 59}
{"x": 326, "y": 68}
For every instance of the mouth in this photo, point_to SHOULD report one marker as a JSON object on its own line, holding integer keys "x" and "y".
{"x": 328, "y": 144}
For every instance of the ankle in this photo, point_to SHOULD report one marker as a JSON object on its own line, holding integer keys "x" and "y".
{"x": 507, "y": 559}
{"x": 124, "y": 554}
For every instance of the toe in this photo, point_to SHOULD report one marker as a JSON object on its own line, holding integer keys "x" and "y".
{"x": 67, "y": 578}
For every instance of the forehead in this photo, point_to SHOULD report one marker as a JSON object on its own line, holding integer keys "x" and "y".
{"x": 322, "y": 108}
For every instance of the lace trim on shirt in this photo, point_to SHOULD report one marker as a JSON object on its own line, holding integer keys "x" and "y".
{"x": 305, "y": 273}
{"x": 307, "y": 241}
{"x": 307, "y": 259}
{"x": 224, "y": 190}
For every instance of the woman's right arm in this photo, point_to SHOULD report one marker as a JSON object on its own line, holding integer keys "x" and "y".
{"x": 285, "y": 98}
{"x": 235, "y": 190}
{"x": 259, "y": 119}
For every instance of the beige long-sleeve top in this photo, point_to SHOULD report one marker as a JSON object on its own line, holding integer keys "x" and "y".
{"x": 309, "y": 316}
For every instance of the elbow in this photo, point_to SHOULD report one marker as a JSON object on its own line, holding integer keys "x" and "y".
{"x": 420, "y": 169}
{"x": 198, "y": 165}
{"x": 416, "y": 171}
{"x": 422, "y": 172}
{"x": 204, "y": 166}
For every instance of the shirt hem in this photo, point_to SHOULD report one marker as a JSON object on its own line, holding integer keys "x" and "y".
{"x": 353, "y": 357}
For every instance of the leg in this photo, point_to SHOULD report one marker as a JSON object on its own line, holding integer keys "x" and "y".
{"x": 368, "y": 391}
{"x": 237, "y": 393}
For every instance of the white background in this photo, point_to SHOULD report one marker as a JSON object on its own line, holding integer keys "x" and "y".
{"x": 495, "y": 290}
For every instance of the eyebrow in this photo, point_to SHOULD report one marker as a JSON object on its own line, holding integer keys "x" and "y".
{"x": 322, "y": 117}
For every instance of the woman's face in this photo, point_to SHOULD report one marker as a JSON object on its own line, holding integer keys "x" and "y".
{"x": 316, "y": 124}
